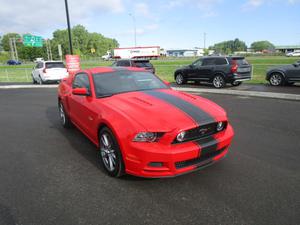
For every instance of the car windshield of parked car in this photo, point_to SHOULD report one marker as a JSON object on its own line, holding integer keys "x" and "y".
{"x": 107, "y": 84}
{"x": 51, "y": 65}
{"x": 143, "y": 64}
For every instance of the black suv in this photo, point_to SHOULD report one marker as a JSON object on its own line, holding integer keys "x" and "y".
{"x": 217, "y": 70}
{"x": 135, "y": 63}
{"x": 287, "y": 74}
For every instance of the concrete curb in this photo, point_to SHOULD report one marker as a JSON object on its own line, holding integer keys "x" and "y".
{"x": 260, "y": 94}
{"x": 27, "y": 86}
{"x": 283, "y": 96}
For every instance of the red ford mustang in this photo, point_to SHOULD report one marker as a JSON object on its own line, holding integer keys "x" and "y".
{"x": 140, "y": 125}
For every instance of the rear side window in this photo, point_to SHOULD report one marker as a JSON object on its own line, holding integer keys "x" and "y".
{"x": 50, "y": 65}
{"x": 142, "y": 64}
{"x": 208, "y": 62}
{"x": 123, "y": 63}
{"x": 220, "y": 61}
{"x": 240, "y": 61}
{"x": 81, "y": 81}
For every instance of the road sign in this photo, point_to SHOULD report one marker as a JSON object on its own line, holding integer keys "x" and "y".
{"x": 72, "y": 63}
{"x": 32, "y": 41}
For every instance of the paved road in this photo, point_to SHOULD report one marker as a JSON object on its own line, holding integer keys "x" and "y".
{"x": 292, "y": 89}
{"x": 49, "y": 175}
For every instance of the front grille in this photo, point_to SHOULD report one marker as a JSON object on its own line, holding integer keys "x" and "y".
{"x": 200, "y": 132}
{"x": 200, "y": 161}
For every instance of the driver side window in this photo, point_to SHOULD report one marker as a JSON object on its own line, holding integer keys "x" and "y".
{"x": 81, "y": 80}
{"x": 197, "y": 63}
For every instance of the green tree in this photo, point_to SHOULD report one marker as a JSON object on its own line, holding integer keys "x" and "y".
{"x": 229, "y": 47}
{"x": 262, "y": 45}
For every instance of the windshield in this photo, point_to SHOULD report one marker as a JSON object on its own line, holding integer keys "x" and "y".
{"x": 143, "y": 64}
{"x": 50, "y": 65}
{"x": 107, "y": 84}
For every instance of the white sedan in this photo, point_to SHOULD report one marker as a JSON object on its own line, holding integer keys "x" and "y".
{"x": 49, "y": 72}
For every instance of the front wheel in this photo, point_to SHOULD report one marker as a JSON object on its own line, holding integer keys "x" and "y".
{"x": 110, "y": 154}
{"x": 236, "y": 83}
{"x": 180, "y": 79}
{"x": 276, "y": 79}
{"x": 64, "y": 118}
{"x": 219, "y": 81}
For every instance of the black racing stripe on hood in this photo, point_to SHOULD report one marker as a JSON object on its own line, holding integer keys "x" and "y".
{"x": 208, "y": 145}
{"x": 199, "y": 116}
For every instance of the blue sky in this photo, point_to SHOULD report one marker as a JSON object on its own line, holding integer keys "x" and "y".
{"x": 167, "y": 23}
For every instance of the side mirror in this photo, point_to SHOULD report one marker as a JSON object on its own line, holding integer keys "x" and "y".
{"x": 166, "y": 83}
{"x": 296, "y": 64}
{"x": 80, "y": 91}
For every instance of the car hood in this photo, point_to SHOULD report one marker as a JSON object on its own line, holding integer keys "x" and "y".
{"x": 165, "y": 109}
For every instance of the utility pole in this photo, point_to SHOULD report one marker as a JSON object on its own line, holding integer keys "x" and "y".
{"x": 134, "y": 27}
{"x": 69, "y": 27}
{"x": 16, "y": 51}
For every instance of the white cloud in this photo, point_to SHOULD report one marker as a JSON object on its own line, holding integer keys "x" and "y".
{"x": 252, "y": 4}
{"x": 142, "y": 9}
{"x": 39, "y": 16}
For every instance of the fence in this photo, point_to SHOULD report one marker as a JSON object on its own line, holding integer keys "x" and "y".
{"x": 15, "y": 75}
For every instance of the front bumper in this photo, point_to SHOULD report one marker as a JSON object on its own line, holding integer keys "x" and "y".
{"x": 169, "y": 160}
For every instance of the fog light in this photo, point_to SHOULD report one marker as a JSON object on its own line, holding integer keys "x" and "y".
{"x": 180, "y": 136}
{"x": 156, "y": 164}
{"x": 220, "y": 126}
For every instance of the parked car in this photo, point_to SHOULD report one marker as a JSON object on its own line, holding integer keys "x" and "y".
{"x": 49, "y": 71}
{"x": 140, "y": 125}
{"x": 135, "y": 63}
{"x": 281, "y": 75}
{"x": 38, "y": 60}
{"x": 295, "y": 53}
{"x": 13, "y": 62}
{"x": 217, "y": 70}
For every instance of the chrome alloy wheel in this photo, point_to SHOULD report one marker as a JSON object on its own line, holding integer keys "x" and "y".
{"x": 276, "y": 79}
{"x": 179, "y": 79}
{"x": 62, "y": 114}
{"x": 218, "y": 82}
{"x": 108, "y": 154}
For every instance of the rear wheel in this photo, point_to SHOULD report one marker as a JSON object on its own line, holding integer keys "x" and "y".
{"x": 180, "y": 79}
{"x": 219, "y": 81}
{"x": 236, "y": 83}
{"x": 276, "y": 79}
{"x": 110, "y": 154}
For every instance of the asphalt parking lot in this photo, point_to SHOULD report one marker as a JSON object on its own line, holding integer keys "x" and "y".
{"x": 50, "y": 175}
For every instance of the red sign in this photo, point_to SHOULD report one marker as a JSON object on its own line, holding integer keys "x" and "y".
{"x": 73, "y": 63}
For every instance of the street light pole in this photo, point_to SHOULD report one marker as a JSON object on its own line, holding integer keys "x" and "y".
{"x": 134, "y": 26}
{"x": 204, "y": 40}
{"x": 69, "y": 27}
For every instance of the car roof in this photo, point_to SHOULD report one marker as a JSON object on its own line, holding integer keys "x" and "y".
{"x": 52, "y": 61}
{"x": 136, "y": 60}
{"x": 111, "y": 69}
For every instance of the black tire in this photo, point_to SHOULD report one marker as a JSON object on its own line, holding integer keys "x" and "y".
{"x": 218, "y": 81}
{"x": 276, "y": 79}
{"x": 33, "y": 80}
{"x": 179, "y": 78}
{"x": 40, "y": 81}
{"x": 64, "y": 118}
{"x": 236, "y": 83}
{"x": 110, "y": 154}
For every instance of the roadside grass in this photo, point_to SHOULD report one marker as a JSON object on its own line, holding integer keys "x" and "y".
{"x": 164, "y": 68}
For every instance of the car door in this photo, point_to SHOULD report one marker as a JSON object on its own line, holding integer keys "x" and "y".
{"x": 205, "y": 71}
{"x": 81, "y": 106}
{"x": 293, "y": 73}
{"x": 38, "y": 68}
{"x": 192, "y": 70}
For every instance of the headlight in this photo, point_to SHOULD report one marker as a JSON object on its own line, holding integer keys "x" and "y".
{"x": 146, "y": 137}
{"x": 220, "y": 126}
{"x": 180, "y": 136}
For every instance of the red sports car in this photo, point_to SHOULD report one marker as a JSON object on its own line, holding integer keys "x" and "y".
{"x": 140, "y": 125}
